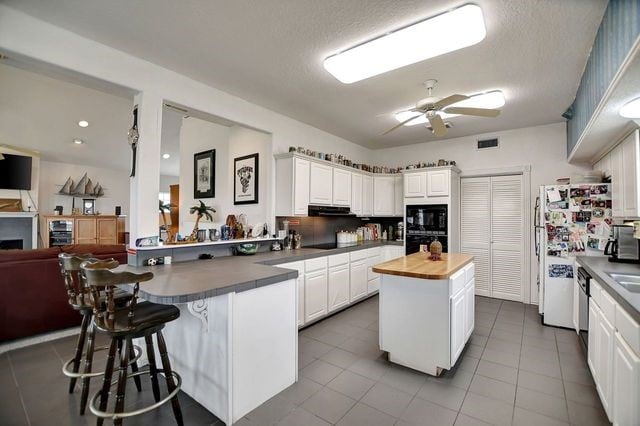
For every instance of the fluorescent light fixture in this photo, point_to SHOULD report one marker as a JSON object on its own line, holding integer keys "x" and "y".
{"x": 83, "y": 123}
{"x": 493, "y": 99}
{"x": 78, "y": 141}
{"x": 166, "y": 156}
{"x": 435, "y": 36}
{"x": 631, "y": 109}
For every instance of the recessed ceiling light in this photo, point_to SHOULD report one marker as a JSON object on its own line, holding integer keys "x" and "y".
{"x": 165, "y": 156}
{"x": 78, "y": 141}
{"x": 493, "y": 99}
{"x": 83, "y": 123}
{"x": 435, "y": 36}
{"x": 631, "y": 109}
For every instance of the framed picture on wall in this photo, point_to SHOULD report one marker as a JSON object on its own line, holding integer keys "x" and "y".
{"x": 204, "y": 174}
{"x": 245, "y": 182}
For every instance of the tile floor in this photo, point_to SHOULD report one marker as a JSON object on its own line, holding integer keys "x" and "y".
{"x": 513, "y": 371}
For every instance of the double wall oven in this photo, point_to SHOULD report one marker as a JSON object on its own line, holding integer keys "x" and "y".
{"x": 423, "y": 224}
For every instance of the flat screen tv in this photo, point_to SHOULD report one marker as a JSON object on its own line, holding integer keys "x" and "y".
{"x": 15, "y": 172}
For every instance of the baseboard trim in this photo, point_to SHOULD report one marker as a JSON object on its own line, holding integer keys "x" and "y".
{"x": 40, "y": 338}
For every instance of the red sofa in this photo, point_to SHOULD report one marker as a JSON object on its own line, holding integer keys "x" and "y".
{"x": 33, "y": 299}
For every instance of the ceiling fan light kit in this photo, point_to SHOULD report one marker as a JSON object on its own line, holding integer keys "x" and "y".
{"x": 455, "y": 29}
{"x": 434, "y": 110}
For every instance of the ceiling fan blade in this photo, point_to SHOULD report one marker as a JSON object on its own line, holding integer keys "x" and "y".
{"x": 401, "y": 124}
{"x": 439, "y": 128}
{"x": 449, "y": 100}
{"x": 480, "y": 112}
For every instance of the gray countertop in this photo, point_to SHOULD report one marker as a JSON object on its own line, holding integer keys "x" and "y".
{"x": 598, "y": 266}
{"x": 198, "y": 279}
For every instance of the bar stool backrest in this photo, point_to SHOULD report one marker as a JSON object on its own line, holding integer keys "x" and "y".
{"x": 77, "y": 291}
{"x": 101, "y": 281}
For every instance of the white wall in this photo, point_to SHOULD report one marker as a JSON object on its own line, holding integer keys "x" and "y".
{"x": 541, "y": 147}
{"x": 54, "y": 175}
{"x": 243, "y": 141}
{"x": 35, "y": 178}
{"x": 166, "y": 182}
{"x": 197, "y": 135}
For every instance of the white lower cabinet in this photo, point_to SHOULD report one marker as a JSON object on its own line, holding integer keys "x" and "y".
{"x": 626, "y": 384}
{"x": 614, "y": 361}
{"x": 339, "y": 278}
{"x": 469, "y": 307}
{"x": 457, "y": 325}
{"x": 605, "y": 338}
{"x": 315, "y": 295}
{"x": 358, "y": 279}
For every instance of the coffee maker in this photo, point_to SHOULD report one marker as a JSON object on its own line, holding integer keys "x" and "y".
{"x": 622, "y": 247}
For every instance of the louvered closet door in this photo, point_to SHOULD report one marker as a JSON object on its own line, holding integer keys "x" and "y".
{"x": 507, "y": 237}
{"x": 475, "y": 232}
{"x": 492, "y": 230}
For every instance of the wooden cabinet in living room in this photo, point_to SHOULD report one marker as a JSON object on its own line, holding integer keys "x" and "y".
{"x": 107, "y": 231}
{"x": 86, "y": 230}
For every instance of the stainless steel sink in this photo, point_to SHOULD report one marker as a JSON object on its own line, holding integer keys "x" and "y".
{"x": 629, "y": 281}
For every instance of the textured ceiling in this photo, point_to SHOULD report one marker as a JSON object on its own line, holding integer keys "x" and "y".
{"x": 270, "y": 52}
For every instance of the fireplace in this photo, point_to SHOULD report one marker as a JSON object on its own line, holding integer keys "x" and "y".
{"x": 11, "y": 244}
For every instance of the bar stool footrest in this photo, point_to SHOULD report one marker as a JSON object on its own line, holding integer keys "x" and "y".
{"x": 67, "y": 371}
{"x": 124, "y": 414}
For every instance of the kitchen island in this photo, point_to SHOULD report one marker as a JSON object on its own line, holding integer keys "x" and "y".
{"x": 426, "y": 309}
{"x": 235, "y": 343}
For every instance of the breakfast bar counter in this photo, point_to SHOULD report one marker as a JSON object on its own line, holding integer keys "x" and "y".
{"x": 426, "y": 309}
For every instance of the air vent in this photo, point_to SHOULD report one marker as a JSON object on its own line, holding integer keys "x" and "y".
{"x": 488, "y": 143}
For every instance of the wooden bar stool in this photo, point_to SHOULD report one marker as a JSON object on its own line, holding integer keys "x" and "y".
{"x": 79, "y": 299}
{"x": 137, "y": 320}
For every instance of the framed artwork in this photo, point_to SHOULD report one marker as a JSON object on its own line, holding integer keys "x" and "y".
{"x": 245, "y": 179}
{"x": 204, "y": 174}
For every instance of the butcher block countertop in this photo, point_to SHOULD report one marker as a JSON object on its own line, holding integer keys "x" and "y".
{"x": 418, "y": 265}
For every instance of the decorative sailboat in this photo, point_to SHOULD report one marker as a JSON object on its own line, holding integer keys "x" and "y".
{"x": 88, "y": 189}
{"x": 80, "y": 187}
{"x": 66, "y": 188}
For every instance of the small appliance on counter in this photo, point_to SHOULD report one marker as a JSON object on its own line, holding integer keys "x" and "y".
{"x": 623, "y": 247}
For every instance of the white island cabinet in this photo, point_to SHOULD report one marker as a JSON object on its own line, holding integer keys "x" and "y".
{"x": 426, "y": 310}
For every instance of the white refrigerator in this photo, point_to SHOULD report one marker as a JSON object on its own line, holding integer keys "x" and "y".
{"x": 570, "y": 220}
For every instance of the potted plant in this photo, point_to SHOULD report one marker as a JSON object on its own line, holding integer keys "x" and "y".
{"x": 164, "y": 208}
{"x": 202, "y": 210}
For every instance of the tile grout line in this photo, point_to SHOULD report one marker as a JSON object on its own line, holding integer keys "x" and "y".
{"x": 15, "y": 381}
{"x": 479, "y": 360}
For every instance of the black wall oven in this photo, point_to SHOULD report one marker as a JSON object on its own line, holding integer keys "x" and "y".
{"x": 424, "y": 223}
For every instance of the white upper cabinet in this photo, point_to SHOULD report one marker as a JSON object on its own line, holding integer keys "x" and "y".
{"x": 356, "y": 194}
{"x": 292, "y": 186}
{"x": 341, "y": 187}
{"x": 301, "y": 188}
{"x": 624, "y": 162}
{"x": 383, "y": 195}
{"x": 321, "y": 184}
{"x": 367, "y": 195}
{"x": 415, "y": 185}
{"x": 438, "y": 183}
{"x": 630, "y": 164}
{"x": 398, "y": 208}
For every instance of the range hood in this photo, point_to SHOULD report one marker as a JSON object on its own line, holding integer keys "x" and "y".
{"x": 329, "y": 211}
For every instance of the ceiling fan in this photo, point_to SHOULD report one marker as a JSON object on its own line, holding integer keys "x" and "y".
{"x": 430, "y": 106}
